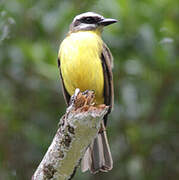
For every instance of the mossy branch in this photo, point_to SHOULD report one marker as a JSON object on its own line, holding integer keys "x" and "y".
{"x": 77, "y": 128}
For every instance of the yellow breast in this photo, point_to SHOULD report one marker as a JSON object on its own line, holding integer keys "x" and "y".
{"x": 80, "y": 63}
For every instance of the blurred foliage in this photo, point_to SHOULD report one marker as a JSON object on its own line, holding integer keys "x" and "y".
{"x": 143, "y": 129}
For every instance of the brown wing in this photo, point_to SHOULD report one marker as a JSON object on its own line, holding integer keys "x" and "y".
{"x": 65, "y": 93}
{"x": 107, "y": 62}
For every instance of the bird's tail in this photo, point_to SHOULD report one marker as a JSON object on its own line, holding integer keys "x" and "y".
{"x": 98, "y": 155}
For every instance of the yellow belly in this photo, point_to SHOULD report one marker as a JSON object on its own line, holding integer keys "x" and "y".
{"x": 80, "y": 63}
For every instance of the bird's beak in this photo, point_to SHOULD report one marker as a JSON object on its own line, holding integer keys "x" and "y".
{"x": 107, "y": 21}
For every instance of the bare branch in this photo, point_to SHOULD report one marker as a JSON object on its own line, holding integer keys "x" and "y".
{"x": 77, "y": 128}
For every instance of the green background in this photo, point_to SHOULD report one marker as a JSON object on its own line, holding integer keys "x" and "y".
{"x": 143, "y": 129}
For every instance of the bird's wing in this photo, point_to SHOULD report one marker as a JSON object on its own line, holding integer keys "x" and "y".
{"x": 65, "y": 93}
{"x": 107, "y": 62}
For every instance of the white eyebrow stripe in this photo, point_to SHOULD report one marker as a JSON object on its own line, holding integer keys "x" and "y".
{"x": 88, "y": 14}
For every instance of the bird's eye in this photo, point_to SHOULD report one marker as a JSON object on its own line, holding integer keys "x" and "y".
{"x": 89, "y": 20}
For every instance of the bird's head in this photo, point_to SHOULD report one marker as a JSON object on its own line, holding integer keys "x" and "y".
{"x": 90, "y": 21}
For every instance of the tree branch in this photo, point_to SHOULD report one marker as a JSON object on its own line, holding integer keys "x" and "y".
{"x": 77, "y": 128}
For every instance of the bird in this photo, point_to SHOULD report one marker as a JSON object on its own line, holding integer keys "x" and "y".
{"x": 85, "y": 62}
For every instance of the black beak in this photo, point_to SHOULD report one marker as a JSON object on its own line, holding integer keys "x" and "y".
{"x": 107, "y": 21}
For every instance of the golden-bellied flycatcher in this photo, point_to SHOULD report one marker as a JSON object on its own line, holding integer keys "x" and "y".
{"x": 85, "y": 62}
